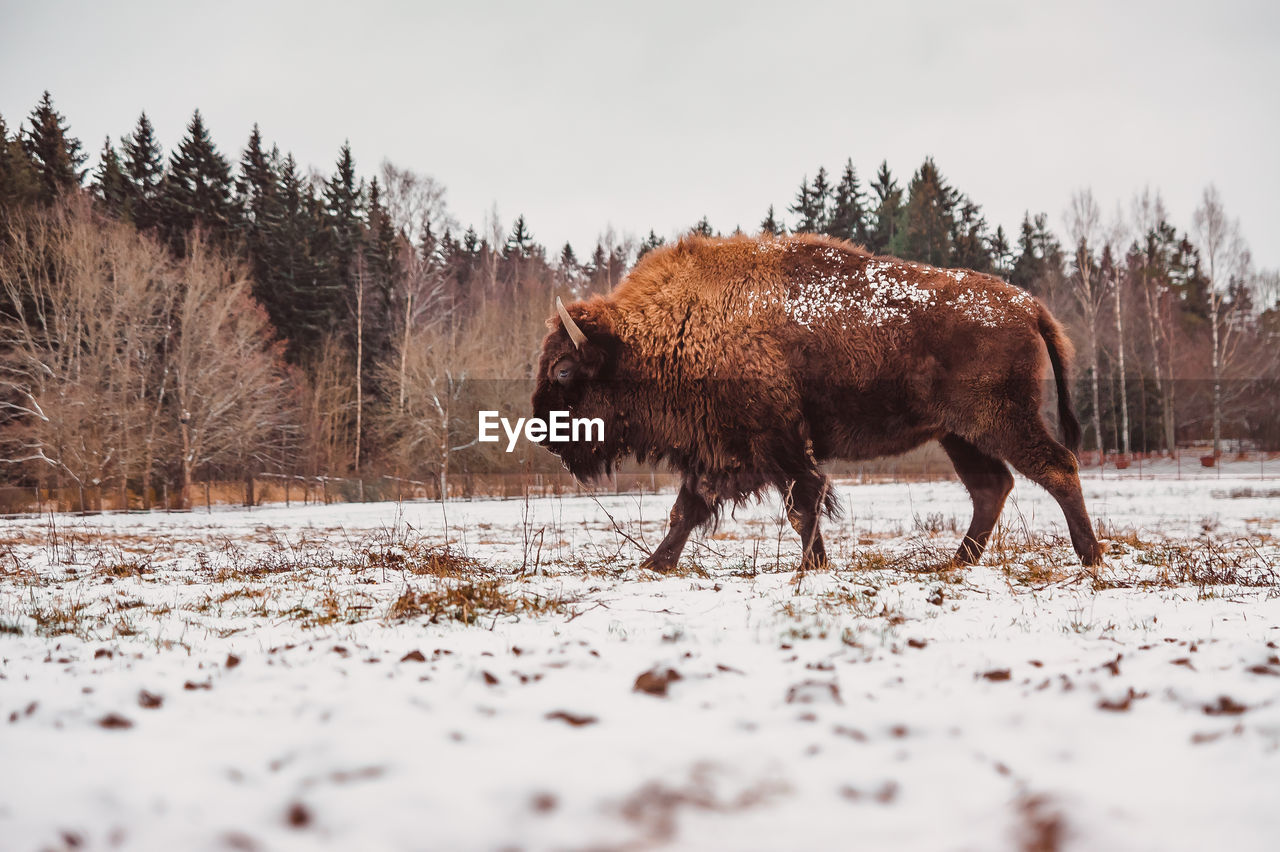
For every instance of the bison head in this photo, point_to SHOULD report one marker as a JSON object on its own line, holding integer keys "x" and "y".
{"x": 577, "y": 372}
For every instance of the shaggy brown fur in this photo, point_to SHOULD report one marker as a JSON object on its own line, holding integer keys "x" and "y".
{"x": 745, "y": 363}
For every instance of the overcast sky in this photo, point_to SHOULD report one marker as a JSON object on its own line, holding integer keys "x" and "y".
{"x": 582, "y": 115}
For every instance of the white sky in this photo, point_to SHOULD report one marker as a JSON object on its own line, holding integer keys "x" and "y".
{"x": 582, "y": 115}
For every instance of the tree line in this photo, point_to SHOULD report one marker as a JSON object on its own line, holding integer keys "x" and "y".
{"x": 171, "y": 319}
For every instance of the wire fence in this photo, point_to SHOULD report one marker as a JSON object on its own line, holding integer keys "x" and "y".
{"x": 927, "y": 464}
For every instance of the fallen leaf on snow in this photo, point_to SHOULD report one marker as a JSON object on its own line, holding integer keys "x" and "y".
{"x": 115, "y": 721}
{"x": 655, "y": 681}
{"x": 573, "y": 719}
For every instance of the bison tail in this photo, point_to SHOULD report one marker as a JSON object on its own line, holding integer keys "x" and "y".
{"x": 1060, "y": 352}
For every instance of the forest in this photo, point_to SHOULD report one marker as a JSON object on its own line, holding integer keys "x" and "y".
{"x": 171, "y": 320}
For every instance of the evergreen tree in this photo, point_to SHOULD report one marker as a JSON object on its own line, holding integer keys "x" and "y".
{"x": 598, "y": 269}
{"x": 258, "y": 196}
{"x": 811, "y": 204}
{"x": 144, "y": 170}
{"x": 969, "y": 241}
{"x": 929, "y": 224}
{"x": 197, "y": 190}
{"x": 344, "y": 229}
{"x": 18, "y": 185}
{"x": 256, "y": 183}
{"x": 1039, "y": 264}
{"x": 771, "y": 225}
{"x": 885, "y": 236}
{"x": 848, "y": 218}
{"x": 520, "y": 243}
{"x": 294, "y": 289}
{"x": 569, "y": 271}
{"x": 383, "y": 304}
{"x": 650, "y": 243}
{"x": 1001, "y": 253}
{"x": 702, "y": 228}
{"x": 110, "y": 184}
{"x": 54, "y": 154}
{"x": 568, "y": 259}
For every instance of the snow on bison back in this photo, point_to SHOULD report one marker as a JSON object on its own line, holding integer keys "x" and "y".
{"x": 745, "y": 362}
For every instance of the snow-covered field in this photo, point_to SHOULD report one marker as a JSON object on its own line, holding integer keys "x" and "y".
{"x": 334, "y": 677}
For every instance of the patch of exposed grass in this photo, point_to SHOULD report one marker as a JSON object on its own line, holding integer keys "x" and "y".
{"x": 421, "y": 559}
{"x": 61, "y": 618}
{"x": 122, "y": 568}
{"x": 469, "y": 600}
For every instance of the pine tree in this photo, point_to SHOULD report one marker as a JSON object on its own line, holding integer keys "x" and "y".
{"x": 811, "y": 204}
{"x": 197, "y": 190}
{"x": 885, "y": 236}
{"x": 969, "y": 241}
{"x": 294, "y": 289}
{"x": 18, "y": 186}
{"x": 929, "y": 225}
{"x": 649, "y": 243}
{"x": 598, "y": 269}
{"x": 109, "y": 182}
{"x": 258, "y": 197}
{"x": 702, "y": 228}
{"x": 1039, "y": 265}
{"x": 820, "y": 195}
{"x": 848, "y": 218}
{"x": 520, "y": 244}
{"x": 54, "y": 154}
{"x": 569, "y": 271}
{"x": 256, "y": 183}
{"x": 144, "y": 169}
{"x": 770, "y": 225}
{"x": 382, "y": 303}
{"x": 1001, "y": 253}
{"x": 344, "y": 199}
{"x": 568, "y": 259}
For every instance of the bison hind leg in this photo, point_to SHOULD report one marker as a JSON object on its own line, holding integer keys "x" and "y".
{"x": 988, "y": 482}
{"x": 1030, "y": 448}
{"x": 807, "y": 497}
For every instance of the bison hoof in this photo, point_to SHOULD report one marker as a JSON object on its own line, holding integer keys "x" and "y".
{"x": 660, "y": 564}
{"x": 1091, "y": 557}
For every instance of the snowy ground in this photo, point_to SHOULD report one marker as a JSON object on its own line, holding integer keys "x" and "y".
{"x": 333, "y": 677}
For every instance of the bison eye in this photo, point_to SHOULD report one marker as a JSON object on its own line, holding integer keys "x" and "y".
{"x": 564, "y": 371}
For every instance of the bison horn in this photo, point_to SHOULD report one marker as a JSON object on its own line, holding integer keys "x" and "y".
{"x": 575, "y": 333}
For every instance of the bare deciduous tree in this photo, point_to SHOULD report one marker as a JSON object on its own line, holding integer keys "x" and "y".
{"x": 230, "y": 388}
{"x": 413, "y": 201}
{"x": 1082, "y": 220}
{"x": 1224, "y": 252}
{"x": 1117, "y": 237}
{"x": 83, "y": 318}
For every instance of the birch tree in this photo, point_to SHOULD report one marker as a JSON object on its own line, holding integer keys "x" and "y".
{"x": 1083, "y": 223}
{"x": 1117, "y": 237}
{"x": 1224, "y": 253}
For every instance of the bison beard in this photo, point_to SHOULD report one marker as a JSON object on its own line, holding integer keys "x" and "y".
{"x": 745, "y": 363}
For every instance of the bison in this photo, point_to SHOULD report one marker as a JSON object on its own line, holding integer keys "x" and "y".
{"x": 745, "y": 363}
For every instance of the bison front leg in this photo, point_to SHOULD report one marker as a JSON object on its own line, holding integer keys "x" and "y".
{"x": 804, "y": 502}
{"x": 690, "y": 511}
